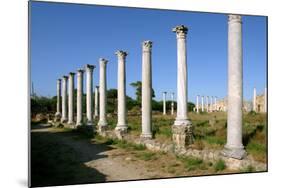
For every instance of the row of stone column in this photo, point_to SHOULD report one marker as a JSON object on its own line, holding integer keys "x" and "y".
{"x": 182, "y": 128}
{"x": 164, "y": 103}
{"x": 254, "y": 102}
{"x": 208, "y": 107}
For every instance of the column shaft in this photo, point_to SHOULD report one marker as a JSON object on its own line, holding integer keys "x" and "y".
{"x": 58, "y": 113}
{"x": 234, "y": 147}
{"x": 146, "y": 90}
{"x": 164, "y": 103}
{"x": 102, "y": 121}
{"x": 96, "y": 113}
{"x": 64, "y": 99}
{"x": 70, "y": 98}
{"x": 172, "y": 104}
{"x": 79, "y": 120}
{"x": 89, "y": 94}
{"x": 122, "y": 111}
{"x": 197, "y": 104}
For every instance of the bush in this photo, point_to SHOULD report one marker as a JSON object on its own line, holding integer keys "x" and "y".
{"x": 219, "y": 165}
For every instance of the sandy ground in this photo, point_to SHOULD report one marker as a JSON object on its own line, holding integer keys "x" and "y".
{"x": 116, "y": 164}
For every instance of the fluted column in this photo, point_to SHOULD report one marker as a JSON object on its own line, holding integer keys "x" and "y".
{"x": 164, "y": 103}
{"x": 96, "y": 113}
{"x": 89, "y": 94}
{"x": 146, "y": 91}
{"x": 64, "y": 99}
{"x": 182, "y": 128}
{"x": 121, "y": 126}
{"x": 234, "y": 147}
{"x": 79, "y": 119}
{"x": 254, "y": 100}
{"x": 102, "y": 121}
{"x": 202, "y": 103}
{"x": 172, "y": 104}
{"x": 197, "y": 104}
{"x": 58, "y": 113}
{"x": 70, "y": 98}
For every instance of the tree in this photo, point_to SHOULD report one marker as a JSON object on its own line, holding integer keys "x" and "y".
{"x": 137, "y": 85}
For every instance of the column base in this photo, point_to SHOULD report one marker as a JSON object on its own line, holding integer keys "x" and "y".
{"x": 57, "y": 117}
{"x": 236, "y": 153}
{"x": 121, "y": 131}
{"x": 146, "y": 136}
{"x": 182, "y": 135}
{"x": 63, "y": 120}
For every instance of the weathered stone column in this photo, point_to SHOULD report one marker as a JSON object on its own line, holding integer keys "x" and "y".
{"x": 79, "y": 119}
{"x": 211, "y": 104}
{"x": 58, "y": 113}
{"x": 254, "y": 100}
{"x": 234, "y": 147}
{"x": 71, "y": 98}
{"x": 102, "y": 124}
{"x": 121, "y": 127}
{"x": 207, "y": 103}
{"x": 197, "y": 104}
{"x": 172, "y": 103}
{"x": 216, "y": 107}
{"x": 164, "y": 103}
{"x": 89, "y": 94}
{"x": 64, "y": 99}
{"x": 202, "y": 103}
{"x": 96, "y": 113}
{"x": 146, "y": 114}
{"x": 265, "y": 100}
{"x": 182, "y": 128}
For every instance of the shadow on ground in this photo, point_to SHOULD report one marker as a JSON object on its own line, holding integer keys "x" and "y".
{"x": 55, "y": 159}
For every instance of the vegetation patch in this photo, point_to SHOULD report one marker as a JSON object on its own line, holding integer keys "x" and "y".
{"x": 219, "y": 165}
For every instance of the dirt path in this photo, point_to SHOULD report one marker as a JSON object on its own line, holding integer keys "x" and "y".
{"x": 114, "y": 163}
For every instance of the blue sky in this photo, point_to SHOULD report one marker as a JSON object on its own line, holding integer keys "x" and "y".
{"x": 65, "y": 37}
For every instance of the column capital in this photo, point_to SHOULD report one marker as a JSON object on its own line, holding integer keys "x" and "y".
{"x": 59, "y": 80}
{"x": 103, "y": 61}
{"x": 65, "y": 77}
{"x": 146, "y": 45}
{"x": 71, "y": 74}
{"x": 234, "y": 18}
{"x": 97, "y": 87}
{"x": 80, "y": 71}
{"x": 89, "y": 67}
{"x": 181, "y": 31}
{"x": 121, "y": 53}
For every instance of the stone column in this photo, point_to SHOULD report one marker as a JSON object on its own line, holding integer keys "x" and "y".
{"x": 207, "y": 103}
{"x": 96, "y": 113}
{"x": 172, "y": 104}
{"x": 197, "y": 104}
{"x": 71, "y": 98}
{"x": 89, "y": 94}
{"x": 146, "y": 114}
{"x": 216, "y": 107}
{"x": 164, "y": 103}
{"x": 265, "y": 100}
{"x": 64, "y": 99}
{"x": 234, "y": 147}
{"x": 182, "y": 128}
{"x": 202, "y": 103}
{"x": 254, "y": 100}
{"x": 102, "y": 124}
{"x": 211, "y": 104}
{"x": 122, "y": 126}
{"x": 58, "y": 113}
{"x": 79, "y": 119}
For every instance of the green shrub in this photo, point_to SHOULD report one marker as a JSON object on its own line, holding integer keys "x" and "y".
{"x": 219, "y": 165}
